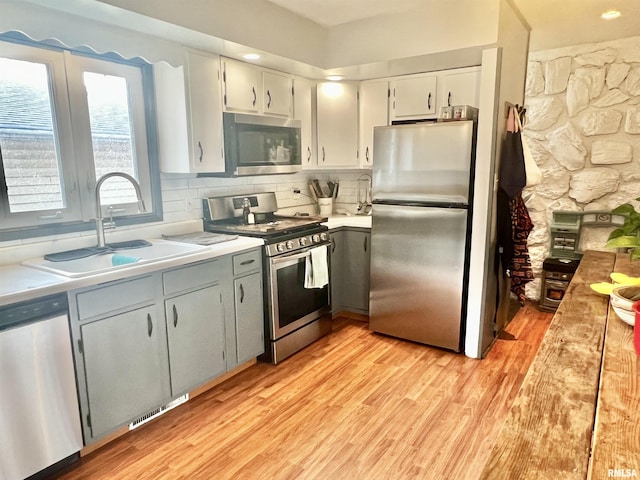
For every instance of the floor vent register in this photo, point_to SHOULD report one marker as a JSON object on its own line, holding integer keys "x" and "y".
{"x": 158, "y": 411}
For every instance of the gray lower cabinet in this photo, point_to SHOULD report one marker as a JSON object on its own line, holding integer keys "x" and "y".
{"x": 126, "y": 368}
{"x": 249, "y": 316}
{"x": 142, "y": 341}
{"x": 350, "y": 267}
{"x": 195, "y": 334}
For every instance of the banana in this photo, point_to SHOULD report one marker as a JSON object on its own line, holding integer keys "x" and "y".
{"x": 603, "y": 288}
{"x": 623, "y": 279}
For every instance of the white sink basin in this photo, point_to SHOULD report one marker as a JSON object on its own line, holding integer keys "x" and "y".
{"x": 122, "y": 258}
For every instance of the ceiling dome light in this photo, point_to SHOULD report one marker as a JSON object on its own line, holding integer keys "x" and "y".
{"x": 334, "y": 78}
{"x": 251, "y": 56}
{"x": 610, "y": 14}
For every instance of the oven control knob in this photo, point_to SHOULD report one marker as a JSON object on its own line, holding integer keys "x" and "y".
{"x": 289, "y": 244}
{"x": 303, "y": 241}
{"x": 315, "y": 238}
{"x": 323, "y": 236}
{"x": 280, "y": 247}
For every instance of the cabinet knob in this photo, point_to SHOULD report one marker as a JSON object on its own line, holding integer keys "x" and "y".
{"x": 323, "y": 154}
{"x": 241, "y": 293}
{"x": 308, "y": 154}
{"x": 449, "y": 100}
{"x": 255, "y": 97}
{"x": 149, "y": 325}
{"x": 175, "y": 316}
{"x": 366, "y": 154}
{"x": 366, "y": 243}
{"x": 429, "y": 101}
{"x": 201, "y": 151}
{"x": 268, "y": 99}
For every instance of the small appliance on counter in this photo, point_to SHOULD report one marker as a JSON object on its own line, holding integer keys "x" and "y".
{"x": 296, "y": 286}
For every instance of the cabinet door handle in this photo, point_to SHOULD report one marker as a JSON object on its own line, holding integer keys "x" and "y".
{"x": 323, "y": 154}
{"x": 241, "y": 293}
{"x": 248, "y": 262}
{"x": 366, "y": 153}
{"x": 333, "y": 245}
{"x": 366, "y": 243}
{"x": 255, "y": 97}
{"x": 268, "y": 99}
{"x": 201, "y": 151}
{"x": 308, "y": 154}
{"x": 429, "y": 101}
{"x": 449, "y": 100}
{"x": 149, "y": 325}
{"x": 175, "y": 316}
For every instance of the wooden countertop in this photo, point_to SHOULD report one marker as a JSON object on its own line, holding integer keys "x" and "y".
{"x": 616, "y": 442}
{"x": 584, "y": 379}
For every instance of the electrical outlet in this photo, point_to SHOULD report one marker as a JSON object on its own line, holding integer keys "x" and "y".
{"x": 296, "y": 192}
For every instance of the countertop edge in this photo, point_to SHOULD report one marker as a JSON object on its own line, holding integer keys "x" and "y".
{"x": 52, "y": 284}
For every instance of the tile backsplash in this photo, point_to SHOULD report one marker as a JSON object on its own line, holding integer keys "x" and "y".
{"x": 182, "y": 207}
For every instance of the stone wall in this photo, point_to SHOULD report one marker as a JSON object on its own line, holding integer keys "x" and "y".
{"x": 583, "y": 127}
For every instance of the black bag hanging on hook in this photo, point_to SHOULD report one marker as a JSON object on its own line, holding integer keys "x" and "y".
{"x": 512, "y": 175}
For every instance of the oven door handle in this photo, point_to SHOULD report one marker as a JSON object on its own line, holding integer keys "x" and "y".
{"x": 295, "y": 256}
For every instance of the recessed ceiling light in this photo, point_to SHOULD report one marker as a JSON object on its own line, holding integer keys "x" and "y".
{"x": 610, "y": 14}
{"x": 251, "y": 56}
{"x": 334, "y": 78}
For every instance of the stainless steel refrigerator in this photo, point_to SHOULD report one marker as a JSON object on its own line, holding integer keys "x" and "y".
{"x": 420, "y": 234}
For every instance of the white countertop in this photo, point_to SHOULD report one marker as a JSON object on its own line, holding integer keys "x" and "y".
{"x": 336, "y": 221}
{"x": 19, "y": 283}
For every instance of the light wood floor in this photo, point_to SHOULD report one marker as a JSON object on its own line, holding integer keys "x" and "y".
{"x": 354, "y": 405}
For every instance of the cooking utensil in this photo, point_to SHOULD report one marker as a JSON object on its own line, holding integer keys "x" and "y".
{"x": 318, "y": 188}
{"x": 325, "y": 189}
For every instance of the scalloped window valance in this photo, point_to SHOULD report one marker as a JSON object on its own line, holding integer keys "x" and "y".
{"x": 76, "y": 32}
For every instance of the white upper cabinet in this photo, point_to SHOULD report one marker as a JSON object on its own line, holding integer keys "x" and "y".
{"x": 373, "y": 112}
{"x": 413, "y": 97}
{"x": 189, "y": 115}
{"x": 277, "y": 94}
{"x": 460, "y": 87}
{"x": 303, "y": 110}
{"x": 251, "y": 89}
{"x": 337, "y": 124}
{"x": 421, "y": 96}
{"x": 242, "y": 87}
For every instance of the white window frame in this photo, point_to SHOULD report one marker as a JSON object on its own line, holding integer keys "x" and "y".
{"x": 63, "y": 130}
{"x": 72, "y": 126}
{"x": 76, "y": 66}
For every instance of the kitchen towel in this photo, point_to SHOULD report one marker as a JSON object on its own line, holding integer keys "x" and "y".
{"x": 316, "y": 273}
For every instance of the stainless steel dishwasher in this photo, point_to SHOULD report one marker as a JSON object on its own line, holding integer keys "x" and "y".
{"x": 39, "y": 415}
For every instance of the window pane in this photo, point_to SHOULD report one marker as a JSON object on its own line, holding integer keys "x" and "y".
{"x": 113, "y": 149}
{"x": 28, "y": 138}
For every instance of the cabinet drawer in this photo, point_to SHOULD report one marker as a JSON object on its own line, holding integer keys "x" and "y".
{"x": 192, "y": 276}
{"x": 247, "y": 262}
{"x": 115, "y": 297}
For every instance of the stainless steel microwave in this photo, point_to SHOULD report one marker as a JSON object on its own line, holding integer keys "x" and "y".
{"x": 256, "y": 145}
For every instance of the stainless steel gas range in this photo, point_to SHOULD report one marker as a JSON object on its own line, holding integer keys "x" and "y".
{"x": 296, "y": 263}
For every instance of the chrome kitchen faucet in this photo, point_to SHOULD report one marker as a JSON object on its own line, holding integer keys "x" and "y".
{"x": 99, "y": 220}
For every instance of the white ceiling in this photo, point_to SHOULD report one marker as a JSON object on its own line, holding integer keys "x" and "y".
{"x": 553, "y": 23}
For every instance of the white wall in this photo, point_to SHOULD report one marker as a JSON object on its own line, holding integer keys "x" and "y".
{"x": 440, "y": 26}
